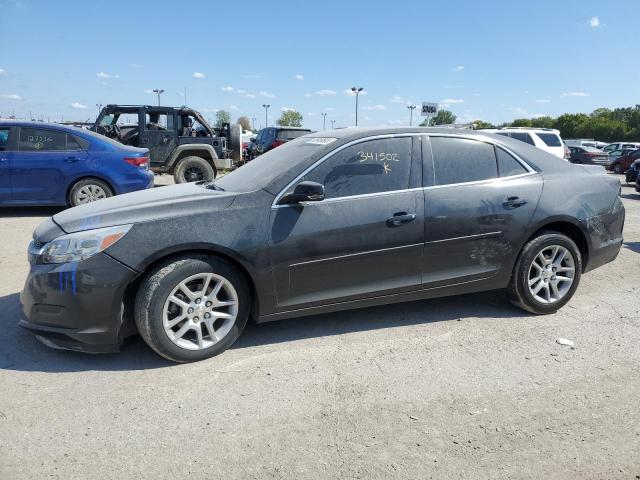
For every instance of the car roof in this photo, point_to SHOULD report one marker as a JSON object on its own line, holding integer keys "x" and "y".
{"x": 33, "y": 124}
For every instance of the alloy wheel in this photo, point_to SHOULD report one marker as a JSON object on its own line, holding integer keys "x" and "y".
{"x": 551, "y": 274}
{"x": 200, "y": 311}
{"x": 90, "y": 193}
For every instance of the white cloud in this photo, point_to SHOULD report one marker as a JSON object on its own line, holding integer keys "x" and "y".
{"x": 11, "y": 96}
{"x": 397, "y": 99}
{"x": 458, "y": 68}
{"x": 326, "y": 93}
{"x": 198, "y": 75}
{"x": 543, "y": 100}
{"x": 307, "y": 95}
{"x": 376, "y": 107}
{"x": 594, "y": 22}
{"x": 266, "y": 94}
{"x": 451, "y": 101}
{"x": 227, "y": 89}
{"x": 233, "y": 107}
{"x": 519, "y": 111}
{"x": 78, "y": 106}
{"x": 288, "y": 109}
{"x": 249, "y": 95}
{"x": 148, "y": 90}
{"x": 299, "y": 77}
{"x": 3, "y": 72}
{"x": 107, "y": 76}
{"x": 576, "y": 94}
{"x": 351, "y": 93}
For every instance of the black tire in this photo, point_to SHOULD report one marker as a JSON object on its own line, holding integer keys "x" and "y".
{"x": 235, "y": 143}
{"x": 79, "y": 190}
{"x": 193, "y": 169}
{"x": 618, "y": 169}
{"x": 155, "y": 290}
{"x": 518, "y": 290}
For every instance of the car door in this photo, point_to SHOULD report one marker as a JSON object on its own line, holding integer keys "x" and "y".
{"x": 43, "y": 167}
{"x": 478, "y": 200}
{"x": 6, "y": 155}
{"x": 364, "y": 239}
{"x": 159, "y": 134}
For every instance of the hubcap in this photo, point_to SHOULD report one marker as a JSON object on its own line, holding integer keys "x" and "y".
{"x": 90, "y": 193}
{"x": 194, "y": 174}
{"x": 551, "y": 274}
{"x": 200, "y": 311}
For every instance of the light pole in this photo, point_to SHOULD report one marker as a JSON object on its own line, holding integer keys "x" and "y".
{"x": 253, "y": 123}
{"x": 324, "y": 120}
{"x": 411, "y": 109}
{"x": 99, "y": 105}
{"x": 266, "y": 116}
{"x": 333, "y": 122}
{"x": 158, "y": 91}
{"x": 357, "y": 91}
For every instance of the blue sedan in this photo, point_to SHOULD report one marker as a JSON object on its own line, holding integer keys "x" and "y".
{"x": 51, "y": 164}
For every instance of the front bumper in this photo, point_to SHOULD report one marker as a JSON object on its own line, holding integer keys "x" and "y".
{"x": 77, "y": 305}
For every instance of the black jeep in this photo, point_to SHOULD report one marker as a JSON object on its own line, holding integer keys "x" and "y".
{"x": 179, "y": 139}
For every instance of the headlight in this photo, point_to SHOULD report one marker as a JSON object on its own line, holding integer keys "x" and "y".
{"x": 78, "y": 246}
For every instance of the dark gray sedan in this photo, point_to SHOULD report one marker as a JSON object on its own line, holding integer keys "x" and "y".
{"x": 330, "y": 221}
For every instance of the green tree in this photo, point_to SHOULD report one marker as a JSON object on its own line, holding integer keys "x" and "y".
{"x": 290, "y": 118}
{"x": 222, "y": 117}
{"x": 443, "y": 117}
{"x": 521, "y": 122}
{"x": 543, "y": 122}
{"x": 244, "y": 122}
{"x": 568, "y": 123}
{"x": 602, "y": 128}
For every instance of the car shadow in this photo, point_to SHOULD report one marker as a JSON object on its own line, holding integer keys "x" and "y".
{"x": 633, "y": 246}
{"x": 633, "y": 196}
{"x": 7, "y": 212}
{"x": 21, "y": 351}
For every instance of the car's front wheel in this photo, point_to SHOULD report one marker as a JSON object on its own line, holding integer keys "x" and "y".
{"x": 192, "y": 308}
{"x": 88, "y": 190}
{"x": 546, "y": 274}
{"x": 618, "y": 168}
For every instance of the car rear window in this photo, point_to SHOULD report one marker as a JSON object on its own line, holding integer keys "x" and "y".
{"x": 41, "y": 140}
{"x": 523, "y": 137}
{"x": 458, "y": 160}
{"x": 291, "y": 134}
{"x": 550, "y": 139}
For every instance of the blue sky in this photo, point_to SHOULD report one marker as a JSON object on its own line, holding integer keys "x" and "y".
{"x": 494, "y": 60}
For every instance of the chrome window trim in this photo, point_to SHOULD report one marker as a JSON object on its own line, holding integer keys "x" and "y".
{"x": 530, "y": 170}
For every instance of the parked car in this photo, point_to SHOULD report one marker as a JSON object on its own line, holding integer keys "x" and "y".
{"x": 620, "y": 164}
{"x": 272, "y": 137}
{"x": 588, "y": 156}
{"x": 52, "y": 164}
{"x": 585, "y": 142}
{"x": 179, "y": 139}
{"x": 327, "y": 222}
{"x": 618, "y": 146}
{"x": 546, "y": 139}
{"x": 631, "y": 175}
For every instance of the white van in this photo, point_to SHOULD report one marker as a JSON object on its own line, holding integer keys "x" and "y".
{"x": 546, "y": 139}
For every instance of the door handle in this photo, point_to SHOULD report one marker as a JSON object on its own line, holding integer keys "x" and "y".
{"x": 400, "y": 218}
{"x": 2, "y": 160}
{"x": 72, "y": 159}
{"x": 514, "y": 202}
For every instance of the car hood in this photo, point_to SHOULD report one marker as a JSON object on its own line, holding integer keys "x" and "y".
{"x": 143, "y": 206}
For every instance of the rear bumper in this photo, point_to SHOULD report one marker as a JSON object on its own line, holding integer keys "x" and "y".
{"x": 605, "y": 232}
{"x": 77, "y": 306}
{"x": 142, "y": 181}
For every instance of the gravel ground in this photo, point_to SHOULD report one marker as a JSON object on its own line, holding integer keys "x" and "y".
{"x": 463, "y": 387}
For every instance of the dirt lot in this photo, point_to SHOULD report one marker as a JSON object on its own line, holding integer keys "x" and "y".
{"x": 464, "y": 387}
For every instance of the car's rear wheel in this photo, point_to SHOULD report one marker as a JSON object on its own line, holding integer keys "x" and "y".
{"x": 189, "y": 309}
{"x": 546, "y": 274}
{"x": 193, "y": 169}
{"x": 617, "y": 168}
{"x": 88, "y": 190}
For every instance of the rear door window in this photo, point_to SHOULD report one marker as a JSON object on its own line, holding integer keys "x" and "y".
{"x": 550, "y": 139}
{"x": 372, "y": 166}
{"x": 76, "y": 143}
{"x": 523, "y": 137}
{"x": 42, "y": 140}
{"x": 460, "y": 160}
{"x": 508, "y": 165}
{"x": 4, "y": 138}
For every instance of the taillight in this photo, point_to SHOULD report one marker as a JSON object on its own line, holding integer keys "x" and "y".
{"x": 277, "y": 143}
{"x": 142, "y": 162}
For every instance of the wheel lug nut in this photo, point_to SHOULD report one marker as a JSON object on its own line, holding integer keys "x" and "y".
{"x": 208, "y": 304}
{"x": 197, "y": 300}
{"x": 196, "y": 319}
{"x": 190, "y": 310}
{"x": 207, "y": 315}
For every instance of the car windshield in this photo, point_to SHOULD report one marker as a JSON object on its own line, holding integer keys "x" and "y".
{"x": 591, "y": 149}
{"x": 551, "y": 139}
{"x": 107, "y": 119}
{"x": 266, "y": 168}
{"x": 291, "y": 134}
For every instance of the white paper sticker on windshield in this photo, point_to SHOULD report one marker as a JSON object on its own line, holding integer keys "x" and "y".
{"x": 320, "y": 141}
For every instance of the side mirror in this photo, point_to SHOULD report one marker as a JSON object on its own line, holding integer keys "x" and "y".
{"x": 304, "y": 192}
